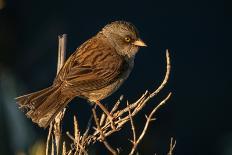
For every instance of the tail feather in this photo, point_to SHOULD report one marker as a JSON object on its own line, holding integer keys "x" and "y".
{"x": 44, "y": 105}
{"x": 23, "y": 100}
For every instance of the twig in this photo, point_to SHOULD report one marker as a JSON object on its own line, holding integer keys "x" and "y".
{"x": 61, "y": 59}
{"x": 132, "y": 124}
{"x": 48, "y": 139}
{"x": 85, "y": 138}
{"x": 107, "y": 145}
{"x": 79, "y": 146}
{"x": 70, "y": 152}
{"x": 61, "y": 51}
{"x": 52, "y": 149}
{"x": 103, "y": 118}
{"x": 78, "y": 140}
{"x": 172, "y": 146}
{"x": 168, "y": 68}
{"x": 64, "y": 149}
{"x": 57, "y": 132}
{"x": 76, "y": 132}
{"x": 116, "y": 104}
{"x": 149, "y": 119}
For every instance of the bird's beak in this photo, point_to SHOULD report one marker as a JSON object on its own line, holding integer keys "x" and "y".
{"x": 139, "y": 42}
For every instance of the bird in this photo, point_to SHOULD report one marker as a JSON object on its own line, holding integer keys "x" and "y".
{"x": 94, "y": 71}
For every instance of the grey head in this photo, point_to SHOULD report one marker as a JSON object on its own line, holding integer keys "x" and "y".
{"x": 124, "y": 37}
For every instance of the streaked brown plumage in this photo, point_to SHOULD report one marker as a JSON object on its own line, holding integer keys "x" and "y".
{"x": 97, "y": 69}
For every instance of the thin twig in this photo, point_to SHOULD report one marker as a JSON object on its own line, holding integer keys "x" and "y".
{"x": 85, "y": 137}
{"x": 149, "y": 119}
{"x": 132, "y": 124}
{"x": 64, "y": 149}
{"x": 171, "y": 147}
{"x": 73, "y": 139}
{"x": 103, "y": 116}
{"x": 76, "y": 132}
{"x": 56, "y": 126}
{"x": 70, "y": 152}
{"x": 168, "y": 69}
{"x": 61, "y": 51}
{"x": 116, "y": 104}
{"x": 53, "y": 147}
{"x": 107, "y": 145}
{"x": 61, "y": 59}
{"x": 48, "y": 139}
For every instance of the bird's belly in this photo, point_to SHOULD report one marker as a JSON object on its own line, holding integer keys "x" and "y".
{"x": 100, "y": 94}
{"x": 97, "y": 95}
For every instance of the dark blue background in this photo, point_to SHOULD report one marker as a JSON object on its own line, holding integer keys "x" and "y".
{"x": 197, "y": 32}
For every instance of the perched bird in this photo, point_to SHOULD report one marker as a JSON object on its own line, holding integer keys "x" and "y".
{"x": 94, "y": 71}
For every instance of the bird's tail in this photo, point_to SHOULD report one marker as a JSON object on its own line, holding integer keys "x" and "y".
{"x": 44, "y": 105}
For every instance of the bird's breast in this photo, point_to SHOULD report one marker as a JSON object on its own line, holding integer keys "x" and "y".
{"x": 102, "y": 93}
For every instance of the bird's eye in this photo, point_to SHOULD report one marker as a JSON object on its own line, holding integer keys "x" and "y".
{"x": 127, "y": 39}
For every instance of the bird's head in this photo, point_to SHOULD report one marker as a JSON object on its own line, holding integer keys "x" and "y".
{"x": 124, "y": 37}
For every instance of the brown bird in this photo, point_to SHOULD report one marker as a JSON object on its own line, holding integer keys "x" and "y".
{"x": 94, "y": 71}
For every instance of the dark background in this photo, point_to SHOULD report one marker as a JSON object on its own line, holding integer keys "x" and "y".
{"x": 197, "y": 32}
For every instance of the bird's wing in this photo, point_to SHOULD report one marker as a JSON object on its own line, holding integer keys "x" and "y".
{"x": 93, "y": 66}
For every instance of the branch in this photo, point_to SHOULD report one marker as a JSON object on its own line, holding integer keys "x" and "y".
{"x": 121, "y": 116}
{"x": 61, "y": 51}
{"x": 64, "y": 149}
{"x": 102, "y": 137}
{"x": 77, "y": 145}
{"x": 132, "y": 125}
{"x": 172, "y": 146}
{"x": 149, "y": 119}
{"x": 56, "y": 126}
{"x": 76, "y": 133}
{"x": 48, "y": 139}
{"x": 168, "y": 69}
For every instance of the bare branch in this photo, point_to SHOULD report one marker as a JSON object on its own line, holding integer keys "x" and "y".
{"x": 53, "y": 149}
{"x": 147, "y": 123}
{"x": 132, "y": 124}
{"x": 116, "y": 104}
{"x": 61, "y": 51}
{"x": 61, "y": 59}
{"x": 102, "y": 137}
{"x": 76, "y": 132}
{"x": 85, "y": 138}
{"x": 172, "y": 147}
{"x": 56, "y": 126}
{"x": 168, "y": 68}
{"x": 78, "y": 146}
{"x": 48, "y": 139}
{"x": 64, "y": 149}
